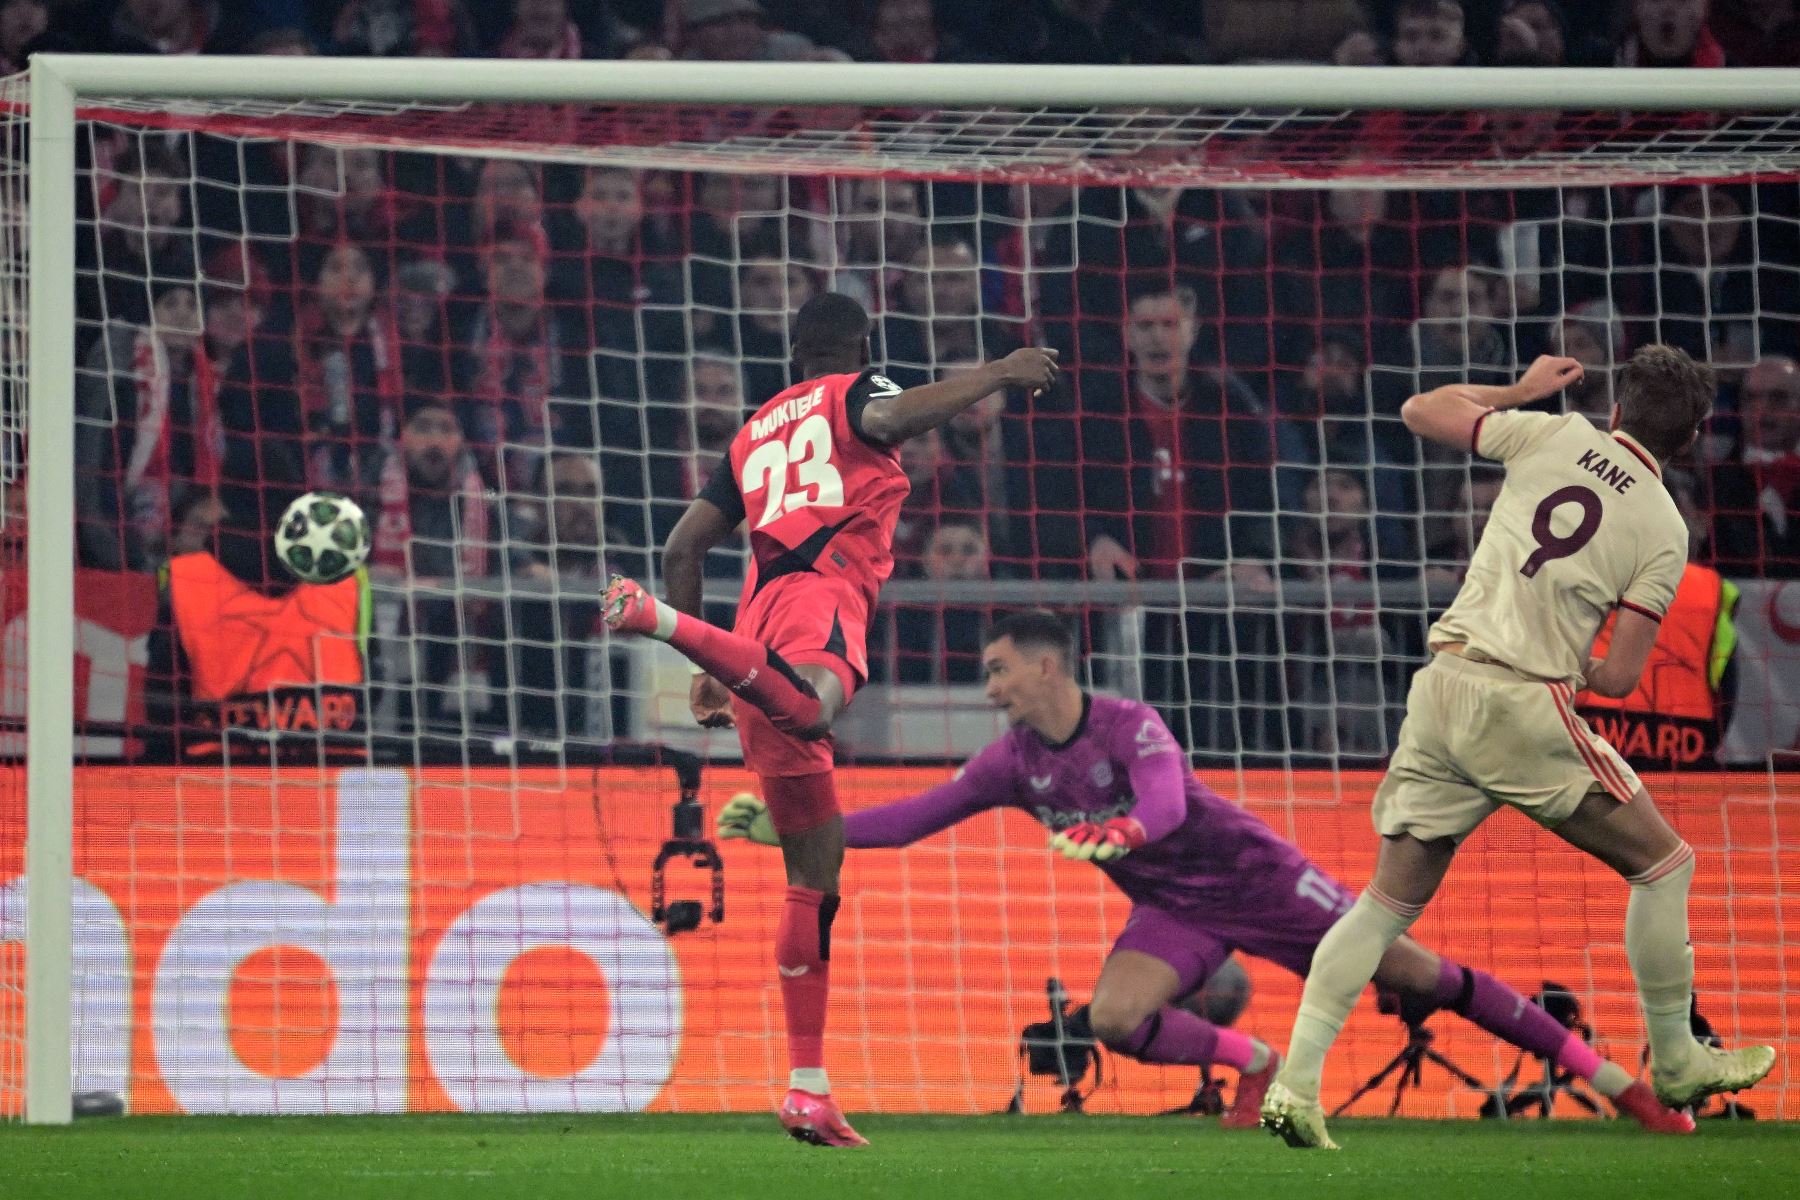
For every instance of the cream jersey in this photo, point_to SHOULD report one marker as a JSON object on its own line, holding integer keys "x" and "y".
{"x": 1583, "y": 525}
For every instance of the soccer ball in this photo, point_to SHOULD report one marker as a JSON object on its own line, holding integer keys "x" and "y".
{"x": 322, "y": 537}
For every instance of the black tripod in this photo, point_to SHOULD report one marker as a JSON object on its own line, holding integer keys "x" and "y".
{"x": 1410, "y": 1062}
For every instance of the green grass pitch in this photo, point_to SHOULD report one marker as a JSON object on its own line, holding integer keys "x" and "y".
{"x": 938, "y": 1158}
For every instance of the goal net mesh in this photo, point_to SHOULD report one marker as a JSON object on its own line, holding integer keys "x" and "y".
{"x": 348, "y": 848}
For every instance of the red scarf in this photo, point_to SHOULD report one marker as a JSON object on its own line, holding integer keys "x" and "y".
{"x": 495, "y": 352}
{"x": 147, "y": 474}
{"x": 383, "y": 339}
{"x": 393, "y": 524}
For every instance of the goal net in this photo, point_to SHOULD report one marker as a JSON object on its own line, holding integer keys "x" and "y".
{"x": 405, "y": 842}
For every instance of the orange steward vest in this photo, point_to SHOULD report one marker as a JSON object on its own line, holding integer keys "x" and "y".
{"x": 240, "y": 642}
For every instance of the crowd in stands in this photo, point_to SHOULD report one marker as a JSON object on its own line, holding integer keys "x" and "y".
{"x": 524, "y": 370}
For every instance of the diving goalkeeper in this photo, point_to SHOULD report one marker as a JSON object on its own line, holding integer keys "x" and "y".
{"x": 1204, "y": 876}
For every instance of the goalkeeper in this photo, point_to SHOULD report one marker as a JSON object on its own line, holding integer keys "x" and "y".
{"x": 1204, "y": 876}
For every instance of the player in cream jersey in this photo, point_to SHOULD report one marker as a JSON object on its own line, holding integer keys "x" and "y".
{"x": 1582, "y": 526}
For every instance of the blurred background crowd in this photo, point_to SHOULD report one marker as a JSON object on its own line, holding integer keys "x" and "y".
{"x": 525, "y": 370}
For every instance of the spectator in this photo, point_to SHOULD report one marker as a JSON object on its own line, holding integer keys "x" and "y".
{"x": 542, "y": 29}
{"x": 432, "y": 526}
{"x": 1669, "y": 33}
{"x": 141, "y": 236}
{"x": 562, "y": 678}
{"x": 22, "y": 22}
{"x": 147, "y": 431}
{"x": 1022, "y": 249}
{"x": 1755, "y": 500}
{"x": 883, "y": 231}
{"x": 906, "y": 31}
{"x": 1457, "y": 338}
{"x": 349, "y": 372}
{"x": 938, "y": 317}
{"x": 1473, "y": 504}
{"x": 263, "y": 467}
{"x": 1598, "y": 344}
{"x": 1344, "y": 265}
{"x": 161, "y": 27}
{"x": 1006, "y": 464}
{"x": 1706, "y": 290}
{"x": 1535, "y": 29}
{"x": 923, "y": 461}
{"x": 430, "y": 513}
{"x": 523, "y": 381}
{"x": 622, "y": 282}
{"x": 1431, "y": 33}
{"x": 342, "y": 195}
{"x": 1757, "y": 33}
{"x": 734, "y": 31}
{"x": 941, "y": 643}
{"x": 1335, "y": 651}
{"x": 507, "y": 193}
{"x": 1359, "y": 48}
{"x": 770, "y": 293}
{"x": 1177, "y": 464}
{"x": 403, "y": 29}
{"x": 1327, "y": 424}
{"x": 1209, "y": 242}
{"x": 421, "y": 297}
{"x": 733, "y": 218}
{"x": 690, "y": 448}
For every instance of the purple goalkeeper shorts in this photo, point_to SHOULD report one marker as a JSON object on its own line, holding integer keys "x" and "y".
{"x": 1281, "y": 919}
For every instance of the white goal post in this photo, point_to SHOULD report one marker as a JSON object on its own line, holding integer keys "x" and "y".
{"x": 1152, "y": 97}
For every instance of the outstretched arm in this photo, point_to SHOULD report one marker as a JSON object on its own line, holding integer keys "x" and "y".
{"x": 1449, "y": 414}
{"x": 984, "y": 782}
{"x": 893, "y": 419}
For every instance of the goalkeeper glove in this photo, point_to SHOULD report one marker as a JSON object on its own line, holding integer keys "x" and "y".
{"x": 744, "y": 816}
{"x": 1104, "y": 843}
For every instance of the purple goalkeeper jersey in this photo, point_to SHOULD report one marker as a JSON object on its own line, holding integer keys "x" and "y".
{"x": 1204, "y": 855}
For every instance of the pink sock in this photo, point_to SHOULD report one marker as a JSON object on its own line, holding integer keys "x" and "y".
{"x": 1175, "y": 1035}
{"x": 749, "y": 669}
{"x": 803, "y": 958}
{"x": 1578, "y": 1058}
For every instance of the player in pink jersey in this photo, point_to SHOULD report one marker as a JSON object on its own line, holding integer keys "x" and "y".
{"x": 815, "y": 474}
{"x": 1205, "y": 877}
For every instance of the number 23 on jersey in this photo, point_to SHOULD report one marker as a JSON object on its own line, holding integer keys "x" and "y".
{"x": 794, "y": 474}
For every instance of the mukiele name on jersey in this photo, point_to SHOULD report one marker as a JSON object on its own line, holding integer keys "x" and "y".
{"x": 786, "y": 412}
{"x": 1615, "y": 477}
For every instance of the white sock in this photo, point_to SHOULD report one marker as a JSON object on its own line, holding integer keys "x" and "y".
{"x": 1341, "y": 968}
{"x": 1259, "y": 1056}
{"x": 1662, "y": 962}
{"x": 665, "y": 620}
{"x": 810, "y": 1079}
{"x": 1611, "y": 1079}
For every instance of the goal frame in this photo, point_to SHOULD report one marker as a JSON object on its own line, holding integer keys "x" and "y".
{"x": 60, "y": 83}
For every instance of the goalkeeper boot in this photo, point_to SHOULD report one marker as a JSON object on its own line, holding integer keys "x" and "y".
{"x": 1246, "y": 1107}
{"x": 817, "y": 1120}
{"x": 628, "y": 608}
{"x": 1299, "y": 1123}
{"x": 1708, "y": 1071}
{"x": 1640, "y": 1104}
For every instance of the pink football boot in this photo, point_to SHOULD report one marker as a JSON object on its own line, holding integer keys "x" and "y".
{"x": 817, "y": 1120}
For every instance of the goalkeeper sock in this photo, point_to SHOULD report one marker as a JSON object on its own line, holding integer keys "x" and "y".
{"x": 1341, "y": 968}
{"x": 1499, "y": 1009}
{"x": 1176, "y": 1036}
{"x": 803, "y": 959}
{"x": 747, "y": 667}
{"x": 1662, "y": 961}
